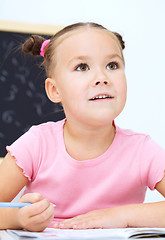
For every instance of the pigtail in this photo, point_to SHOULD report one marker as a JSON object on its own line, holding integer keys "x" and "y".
{"x": 119, "y": 37}
{"x": 33, "y": 45}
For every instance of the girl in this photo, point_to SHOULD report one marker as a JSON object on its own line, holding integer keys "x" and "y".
{"x": 95, "y": 172}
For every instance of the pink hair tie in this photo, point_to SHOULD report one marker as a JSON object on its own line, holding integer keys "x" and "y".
{"x": 44, "y": 44}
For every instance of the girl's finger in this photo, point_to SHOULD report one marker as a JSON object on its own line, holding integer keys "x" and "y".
{"x": 36, "y": 220}
{"x": 31, "y": 197}
{"x": 44, "y": 216}
{"x": 36, "y": 208}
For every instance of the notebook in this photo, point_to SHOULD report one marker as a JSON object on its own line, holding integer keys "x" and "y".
{"x": 118, "y": 233}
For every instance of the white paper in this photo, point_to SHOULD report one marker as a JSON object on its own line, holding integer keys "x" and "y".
{"x": 51, "y": 233}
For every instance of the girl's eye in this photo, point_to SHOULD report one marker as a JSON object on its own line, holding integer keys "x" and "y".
{"x": 82, "y": 67}
{"x": 112, "y": 66}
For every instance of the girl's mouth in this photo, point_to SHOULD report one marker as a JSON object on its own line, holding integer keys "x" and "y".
{"x": 101, "y": 96}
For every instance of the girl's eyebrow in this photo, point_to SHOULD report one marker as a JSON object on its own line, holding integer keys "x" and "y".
{"x": 84, "y": 57}
{"x": 114, "y": 55}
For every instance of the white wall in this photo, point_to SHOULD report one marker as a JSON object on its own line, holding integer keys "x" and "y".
{"x": 142, "y": 24}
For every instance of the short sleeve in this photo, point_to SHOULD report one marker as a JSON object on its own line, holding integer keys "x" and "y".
{"x": 152, "y": 163}
{"x": 26, "y": 151}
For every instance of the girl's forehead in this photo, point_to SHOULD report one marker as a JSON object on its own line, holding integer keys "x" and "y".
{"x": 85, "y": 34}
{"x": 86, "y": 39}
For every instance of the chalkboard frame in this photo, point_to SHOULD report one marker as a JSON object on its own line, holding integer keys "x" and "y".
{"x": 31, "y": 28}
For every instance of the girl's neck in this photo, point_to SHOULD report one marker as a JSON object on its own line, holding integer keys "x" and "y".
{"x": 87, "y": 143}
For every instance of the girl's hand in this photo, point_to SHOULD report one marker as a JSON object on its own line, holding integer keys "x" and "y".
{"x": 104, "y": 218}
{"x": 37, "y": 216}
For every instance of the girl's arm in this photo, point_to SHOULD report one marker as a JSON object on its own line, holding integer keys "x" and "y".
{"x": 149, "y": 214}
{"x": 133, "y": 215}
{"x": 12, "y": 179}
{"x": 35, "y": 217}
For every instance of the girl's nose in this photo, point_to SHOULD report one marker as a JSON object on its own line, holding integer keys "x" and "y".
{"x": 101, "y": 78}
{"x": 98, "y": 82}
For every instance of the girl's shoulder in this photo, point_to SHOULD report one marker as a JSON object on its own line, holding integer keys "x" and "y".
{"x": 130, "y": 133}
{"x": 48, "y": 127}
{"x": 137, "y": 139}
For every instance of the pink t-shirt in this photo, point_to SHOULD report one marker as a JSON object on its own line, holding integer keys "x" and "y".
{"x": 120, "y": 176}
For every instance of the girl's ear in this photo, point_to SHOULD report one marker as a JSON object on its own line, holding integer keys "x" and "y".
{"x": 52, "y": 91}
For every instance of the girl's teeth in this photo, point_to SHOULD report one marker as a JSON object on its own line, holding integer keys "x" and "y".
{"x": 101, "y": 97}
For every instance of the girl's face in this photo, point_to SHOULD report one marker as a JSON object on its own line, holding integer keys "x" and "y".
{"x": 88, "y": 77}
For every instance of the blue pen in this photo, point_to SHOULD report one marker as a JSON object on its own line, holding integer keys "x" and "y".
{"x": 16, "y": 204}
